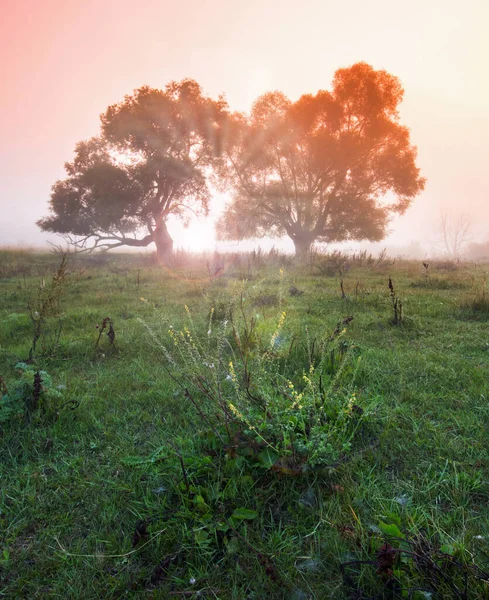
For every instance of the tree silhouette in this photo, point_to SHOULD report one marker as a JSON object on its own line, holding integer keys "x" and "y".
{"x": 150, "y": 161}
{"x": 329, "y": 167}
{"x": 454, "y": 233}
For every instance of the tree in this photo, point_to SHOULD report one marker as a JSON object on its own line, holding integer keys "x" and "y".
{"x": 151, "y": 160}
{"x": 454, "y": 233}
{"x": 322, "y": 168}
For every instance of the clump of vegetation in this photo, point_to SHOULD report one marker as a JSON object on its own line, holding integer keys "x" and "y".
{"x": 339, "y": 263}
{"x": 30, "y": 393}
{"x": 106, "y": 324}
{"x": 46, "y": 302}
{"x": 266, "y": 300}
{"x": 363, "y": 259}
{"x": 329, "y": 265}
{"x": 268, "y": 410}
{"x": 293, "y": 291}
{"x": 415, "y": 566}
{"x": 290, "y": 420}
{"x": 479, "y": 303}
{"x": 396, "y": 304}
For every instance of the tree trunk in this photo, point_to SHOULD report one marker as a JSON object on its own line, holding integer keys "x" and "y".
{"x": 302, "y": 246}
{"x": 164, "y": 243}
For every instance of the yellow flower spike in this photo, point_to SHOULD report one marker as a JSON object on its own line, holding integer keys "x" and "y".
{"x": 234, "y": 410}
{"x": 279, "y": 327}
{"x": 232, "y": 371}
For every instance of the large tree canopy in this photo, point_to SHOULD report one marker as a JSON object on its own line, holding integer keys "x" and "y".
{"x": 150, "y": 161}
{"x": 329, "y": 167}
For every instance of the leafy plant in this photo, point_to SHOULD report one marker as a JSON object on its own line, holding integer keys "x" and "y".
{"x": 416, "y": 566}
{"x": 31, "y": 392}
{"x": 284, "y": 417}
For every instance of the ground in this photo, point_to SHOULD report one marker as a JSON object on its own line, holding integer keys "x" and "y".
{"x": 116, "y": 486}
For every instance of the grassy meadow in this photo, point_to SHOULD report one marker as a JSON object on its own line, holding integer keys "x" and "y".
{"x": 242, "y": 427}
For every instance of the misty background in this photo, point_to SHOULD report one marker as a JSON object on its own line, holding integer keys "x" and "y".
{"x": 64, "y": 62}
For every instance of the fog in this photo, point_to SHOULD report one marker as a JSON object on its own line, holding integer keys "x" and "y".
{"x": 64, "y": 62}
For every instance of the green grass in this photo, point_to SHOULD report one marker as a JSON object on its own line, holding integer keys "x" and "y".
{"x": 75, "y": 485}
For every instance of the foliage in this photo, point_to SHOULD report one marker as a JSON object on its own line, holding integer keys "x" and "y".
{"x": 262, "y": 399}
{"x": 320, "y": 168}
{"x": 149, "y": 162}
{"x": 317, "y": 169}
{"x": 31, "y": 392}
{"x": 416, "y": 566}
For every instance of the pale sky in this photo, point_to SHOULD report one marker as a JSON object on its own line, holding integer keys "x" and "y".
{"x": 62, "y": 62}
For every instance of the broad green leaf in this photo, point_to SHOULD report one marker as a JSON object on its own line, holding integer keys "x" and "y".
{"x": 267, "y": 458}
{"x": 201, "y": 536}
{"x": 232, "y": 545}
{"x": 390, "y": 530}
{"x": 244, "y": 513}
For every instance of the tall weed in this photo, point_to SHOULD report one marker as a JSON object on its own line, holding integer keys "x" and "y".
{"x": 280, "y": 407}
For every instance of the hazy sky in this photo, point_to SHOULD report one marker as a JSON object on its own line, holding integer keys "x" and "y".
{"x": 62, "y": 62}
